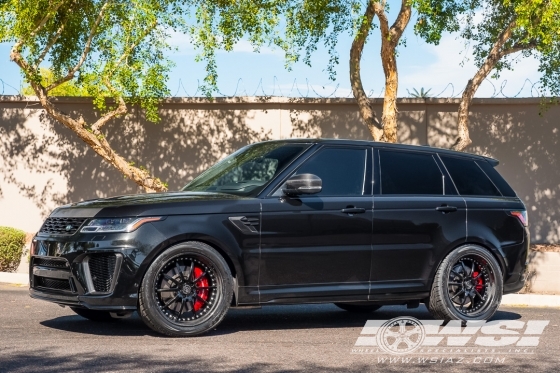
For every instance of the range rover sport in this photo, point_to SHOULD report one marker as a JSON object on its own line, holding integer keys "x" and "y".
{"x": 355, "y": 223}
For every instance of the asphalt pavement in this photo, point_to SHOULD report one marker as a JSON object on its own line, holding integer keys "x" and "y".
{"x": 37, "y": 336}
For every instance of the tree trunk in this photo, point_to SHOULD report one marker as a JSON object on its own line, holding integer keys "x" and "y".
{"x": 92, "y": 135}
{"x": 463, "y": 139}
{"x": 366, "y": 111}
{"x": 390, "y": 38}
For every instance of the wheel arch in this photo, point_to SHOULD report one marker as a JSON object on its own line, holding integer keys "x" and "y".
{"x": 494, "y": 251}
{"x": 223, "y": 250}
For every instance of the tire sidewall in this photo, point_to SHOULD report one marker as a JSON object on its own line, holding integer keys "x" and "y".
{"x": 443, "y": 275}
{"x": 210, "y": 258}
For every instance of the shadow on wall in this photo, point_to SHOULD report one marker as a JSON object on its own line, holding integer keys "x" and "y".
{"x": 528, "y": 148}
{"x": 178, "y": 148}
{"x": 344, "y": 122}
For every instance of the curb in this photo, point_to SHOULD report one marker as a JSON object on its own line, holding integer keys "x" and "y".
{"x": 14, "y": 278}
{"x": 531, "y": 300}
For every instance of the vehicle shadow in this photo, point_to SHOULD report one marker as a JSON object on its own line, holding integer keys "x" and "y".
{"x": 267, "y": 318}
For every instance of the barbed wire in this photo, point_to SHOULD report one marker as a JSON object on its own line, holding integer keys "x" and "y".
{"x": 308, "y": 90}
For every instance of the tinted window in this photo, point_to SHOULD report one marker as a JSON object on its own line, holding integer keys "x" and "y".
{"x": 247, "y": 171}
{"x": 496, "y": 178}
{"x": 469, "y": 179}
{"x": 341, "y": 170}
{"x": 409, "y": 173}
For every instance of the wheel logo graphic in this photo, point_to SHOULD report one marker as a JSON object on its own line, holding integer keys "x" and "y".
{"x": 401, "y": 335}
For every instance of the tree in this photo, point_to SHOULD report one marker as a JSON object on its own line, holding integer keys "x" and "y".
{"x": 310, "y": 22}
{"x": 305, "y": 24}
{"x": 111, "y": 49}
{"x": 508, "y": 29}
{"x": 68, "y": 88}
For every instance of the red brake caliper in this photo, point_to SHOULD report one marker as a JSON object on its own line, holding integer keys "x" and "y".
{"x": 479, "y": 282}
{"x": 202, "y": 293}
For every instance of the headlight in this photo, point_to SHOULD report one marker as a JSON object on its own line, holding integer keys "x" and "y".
{"x": 116, "y": 224}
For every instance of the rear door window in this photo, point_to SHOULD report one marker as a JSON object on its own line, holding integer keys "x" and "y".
{"x": 469, "y": 178}
{"x": 409, "y": 173}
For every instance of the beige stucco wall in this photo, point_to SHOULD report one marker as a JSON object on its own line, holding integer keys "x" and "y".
{"x": 42, "y": 164}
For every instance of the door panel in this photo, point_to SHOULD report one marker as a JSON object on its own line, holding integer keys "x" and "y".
{"x": 310, "y": 247}
{"x": 410, "y": 237}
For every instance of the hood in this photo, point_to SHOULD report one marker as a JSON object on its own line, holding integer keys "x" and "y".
{"x": 151, "y": 204}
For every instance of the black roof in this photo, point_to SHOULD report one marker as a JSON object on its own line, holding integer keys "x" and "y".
{"x": 379, "y": 144}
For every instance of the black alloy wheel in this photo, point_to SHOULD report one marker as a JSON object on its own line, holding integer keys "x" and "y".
{"x": 468, "y": 285}
{"x": 186, "y": 291}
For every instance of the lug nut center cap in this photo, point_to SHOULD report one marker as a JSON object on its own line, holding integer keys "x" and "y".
{"x": 187, "y": 289}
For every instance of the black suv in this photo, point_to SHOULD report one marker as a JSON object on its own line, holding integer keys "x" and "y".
{"x": 357, "y": 223}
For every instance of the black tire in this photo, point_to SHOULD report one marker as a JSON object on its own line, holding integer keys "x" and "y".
{"x": 201, "y": 278}
{"x": 93, "y": 315}
{"x": 358, "y": 308}
{"x": 468, "y": 285}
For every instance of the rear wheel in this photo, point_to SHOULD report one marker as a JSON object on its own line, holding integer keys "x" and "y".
{"x": 358, "y": 308}
{"x": 93, "y": 315}
{"x": 186, "y": 291}
{"x": 468, "y": 285}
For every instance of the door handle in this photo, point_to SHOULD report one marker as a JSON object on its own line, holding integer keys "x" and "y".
{"x": 353, "y": 210}
{"x": 444, "y": 209}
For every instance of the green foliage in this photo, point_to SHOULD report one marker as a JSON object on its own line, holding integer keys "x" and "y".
{"x": 419, "y": 94}
{"x": 111, "y": 48}
{"x": 65, "y": 89}
{"x": 12, "y": 242}
{"x": 535, "y": 31}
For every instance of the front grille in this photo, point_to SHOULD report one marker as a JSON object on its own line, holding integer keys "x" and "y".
{"x": 62, "y": 226}
{"x": 52, "y": 263}
{"x": 52, "y": 283}
{"x": 102, "y": 270}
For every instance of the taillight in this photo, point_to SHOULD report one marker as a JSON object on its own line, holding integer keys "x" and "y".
{"x": 522, "y": 216}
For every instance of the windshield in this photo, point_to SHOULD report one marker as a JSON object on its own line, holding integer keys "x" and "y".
{"x": 247, "y": 171}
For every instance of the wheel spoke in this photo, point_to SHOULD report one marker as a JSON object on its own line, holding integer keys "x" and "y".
{"x": 182, "y": 306}
{"x": 199, "y": 277}
{"x": 171, "y": 300}
{"x": 463, "y": 302}
{"x": 464, "y": 268}
{"x": 204, "y": 287}
{"x": 180, "y": 271}
{"x": 165, "y": 290}
{"x": 457, "y": 274}
{"x": 455, "y": 283}
{"x": 477, "y": 276}
{"x": 169, "y": 278}
{"x": 202, "y": 299}
{"x": 472, "y": 268}
{"x": 191, "y": 271}
{"x": 459, "y": 293}
{"x": 477, "y": 293}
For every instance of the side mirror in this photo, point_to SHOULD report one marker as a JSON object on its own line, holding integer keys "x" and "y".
{"x": 302, "y": 184}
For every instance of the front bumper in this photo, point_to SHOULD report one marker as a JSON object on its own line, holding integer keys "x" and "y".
{"x": 98, "y": 272}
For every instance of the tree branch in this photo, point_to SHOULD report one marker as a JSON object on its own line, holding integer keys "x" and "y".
{"x": 401, "y": 22}
{"x": 44, "y": 20}
{"x": 53, "y": 40}
{"x": 127, "y": 52}
{"x": 85, "y": 52}
{"x": 364, "y": 104}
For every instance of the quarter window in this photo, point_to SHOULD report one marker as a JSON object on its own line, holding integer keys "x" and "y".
{"x": 469, "y": 179}
{"x": 409, "y": 173}
{"x": 341, "y": 171}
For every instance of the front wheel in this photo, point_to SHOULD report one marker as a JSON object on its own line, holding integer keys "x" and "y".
{"x": 186, "y": 291}
{"x": 468, "y": 285}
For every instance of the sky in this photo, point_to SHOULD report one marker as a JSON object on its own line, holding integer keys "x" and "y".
{"x": 243, "y": 72}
